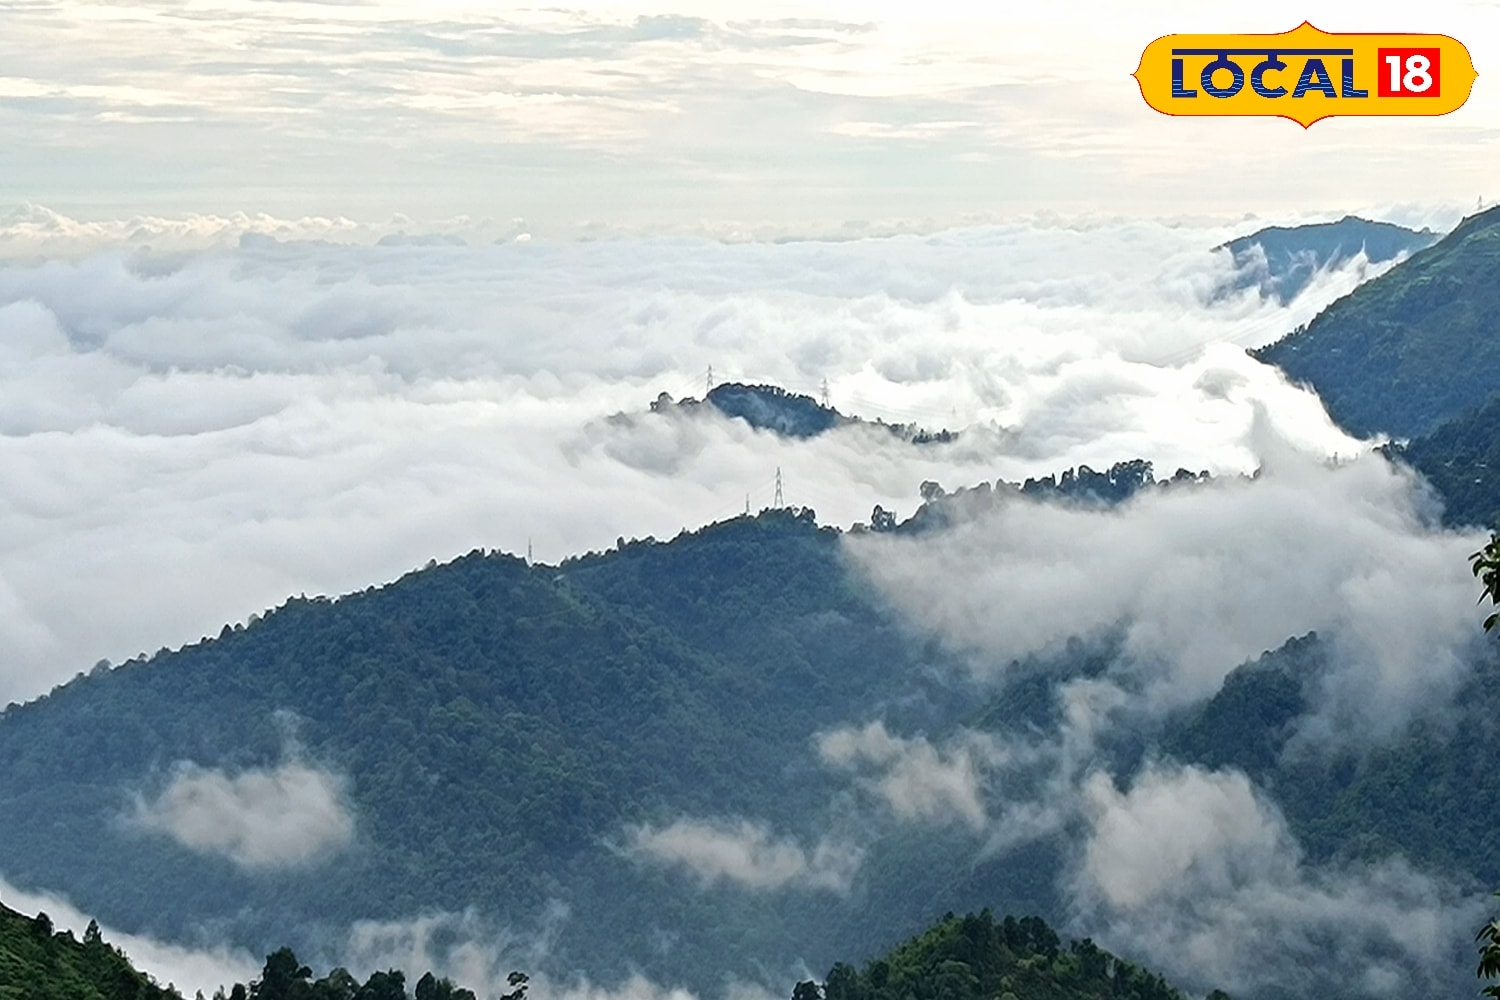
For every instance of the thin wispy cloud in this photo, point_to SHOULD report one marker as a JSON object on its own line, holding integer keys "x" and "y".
{"x": 653, "y": 116}
{"x": 745, "y": 854}
{"x": 261, "y": 819}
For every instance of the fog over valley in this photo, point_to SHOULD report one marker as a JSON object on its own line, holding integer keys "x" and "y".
{"x": 661, "y": 500}
{"x": 192, "y": 436}
{"x": 195, "y": 434}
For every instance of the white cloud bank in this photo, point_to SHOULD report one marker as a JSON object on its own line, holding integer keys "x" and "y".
{"x": 189, "y": 438}
{"x": 746, "y": 854}
{"x": 281, "y": 817}
{"x": 916, "y": 780}
{"x": 1190, "y": 871}
{"x": 1203, "y": 578}
{"x": 1194, "y": 872}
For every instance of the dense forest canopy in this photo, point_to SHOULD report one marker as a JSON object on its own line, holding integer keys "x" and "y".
{"x": 1413, "y": 348}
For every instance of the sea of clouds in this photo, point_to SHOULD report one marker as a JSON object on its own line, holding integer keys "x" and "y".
{"x": 191, "y": 436}
{"x": 193, "y": 433}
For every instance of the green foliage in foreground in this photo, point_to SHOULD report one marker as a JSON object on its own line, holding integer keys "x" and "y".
{"x": 976, "y": 957}
{"x": 39, "y": 963}
{"x": 1487, "y": 568}
{"x": 285, "y": 978}
{"x": 1489, "y": 956}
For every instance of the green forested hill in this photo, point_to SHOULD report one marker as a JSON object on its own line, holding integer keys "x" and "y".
{"x": 40, "y": 963}
{"x": 1428, "y": 794}
{"x": 1461, "y": 459}
{"x": 976, "y": 957}
{"x": 791, "y": 414}
{"x": 500, "y": 727}
{"x": 1413, "y": 348}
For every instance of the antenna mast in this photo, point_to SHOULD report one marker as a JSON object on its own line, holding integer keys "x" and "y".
{"x": 778, "y": 503}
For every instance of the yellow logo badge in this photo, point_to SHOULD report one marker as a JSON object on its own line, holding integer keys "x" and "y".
{"x": 1305, "y": 74}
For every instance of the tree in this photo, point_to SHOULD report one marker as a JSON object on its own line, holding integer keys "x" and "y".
{"x": 1489, "y": 955}
{"x": 1486, "y": 565}
{"x": 807, "y": 990}
{"x": 283, "y": 978}
{"x": 388, "y": 985}
{"x": 430, "y": 987}
{"x": 517, "y": 981}
{"x": 1487, "y": 568}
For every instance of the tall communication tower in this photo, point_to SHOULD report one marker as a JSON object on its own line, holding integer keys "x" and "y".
{"x": 708, "y": 382}
{"x": 778, "y": 502}
{"x": 825, "y": 395}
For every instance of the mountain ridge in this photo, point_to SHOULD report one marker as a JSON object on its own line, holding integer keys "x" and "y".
{"x": 1413, "y": 348}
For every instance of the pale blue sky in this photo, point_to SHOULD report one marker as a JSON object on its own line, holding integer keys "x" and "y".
{"x": 673, "y": 114}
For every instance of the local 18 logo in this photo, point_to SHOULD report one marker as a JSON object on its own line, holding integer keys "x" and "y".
{"x": 1305, "y": 74}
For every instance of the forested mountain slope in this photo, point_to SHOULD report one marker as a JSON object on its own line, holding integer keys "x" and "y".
{"x": 1413, "y": 348}
{"x": 1461, "y": 459}
{"x": 1428, "y": 794}
{"x": 498, "y": 728}
{"x": 495, "y": 731}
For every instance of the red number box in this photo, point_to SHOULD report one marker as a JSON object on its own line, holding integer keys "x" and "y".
{"x": 1409, "y": 72}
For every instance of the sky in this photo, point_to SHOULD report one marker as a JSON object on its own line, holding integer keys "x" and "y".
{"x": 802, "y": 117}
{"x": 296, "y": 297}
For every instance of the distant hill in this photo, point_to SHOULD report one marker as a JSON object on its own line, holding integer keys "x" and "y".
{"x": 976, "y": 957}
{"x": 790, "y": 414}
{"x": 1081, "y": 486}
{"x": 1413, "y": 348}
{"x": 1281, "y": 260}
{"x": 38, "y": 962}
